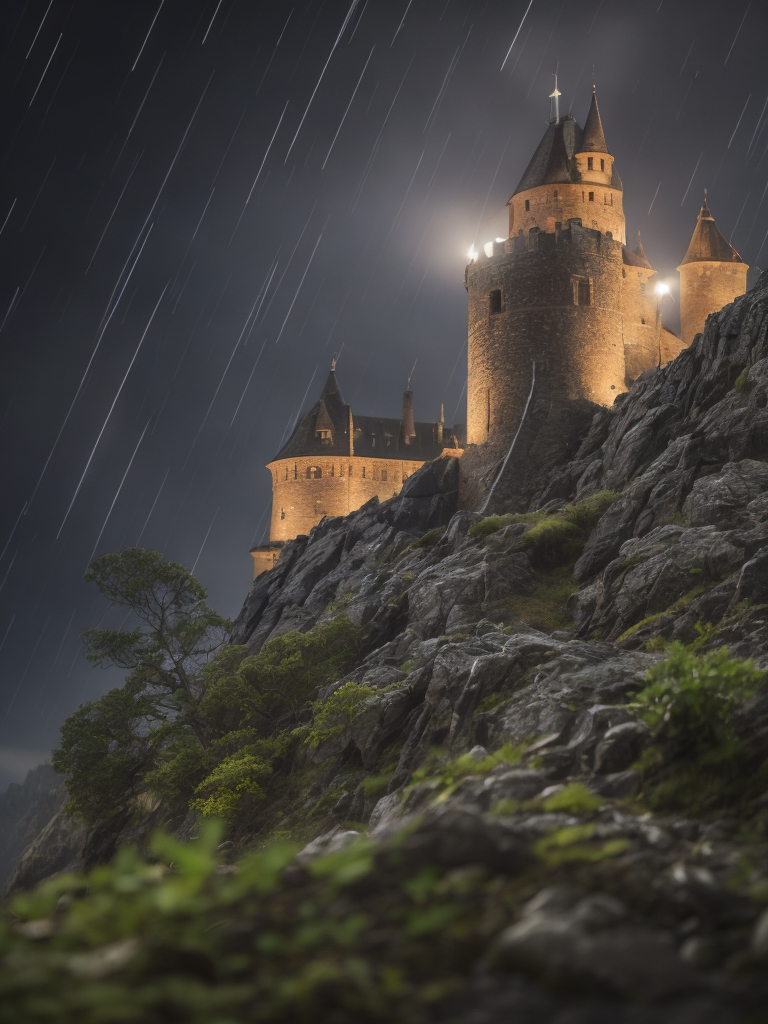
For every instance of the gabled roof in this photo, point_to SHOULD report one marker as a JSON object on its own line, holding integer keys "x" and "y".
{"x": 707, "y": 243}
{"x": 594, "y": 136}
{"x": 372, "y": 437}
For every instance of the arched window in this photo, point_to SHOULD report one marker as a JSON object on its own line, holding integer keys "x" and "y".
{"x": 494, "y": 301}
{"x": 314, "y": 472}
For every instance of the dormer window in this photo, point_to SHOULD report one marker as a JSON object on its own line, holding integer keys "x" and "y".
{"x": 590, "y": 163}
{"x": 323, "y": 435}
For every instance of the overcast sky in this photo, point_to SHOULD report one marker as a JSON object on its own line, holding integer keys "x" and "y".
{"x": 203, "y": 200}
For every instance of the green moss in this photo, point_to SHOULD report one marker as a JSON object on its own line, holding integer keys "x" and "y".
{"x": 427, "y": 541}
{"x": 545, "y": 608}
{"x": 450, "y": 772}
{"x": 741, "y": 380}
{"x": 677, "y": 606}
{"x": 495, "y": 700}
{"x": 492, "y": 524}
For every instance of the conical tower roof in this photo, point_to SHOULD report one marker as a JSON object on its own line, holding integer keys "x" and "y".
{"x": 594, "y": 136}
{"x": 331, "y": 387}
{"x": 707, "y": 243}
{"x": 551, "y": 163}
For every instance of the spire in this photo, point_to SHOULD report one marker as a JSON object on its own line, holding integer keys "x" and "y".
{"x": 707, "y": 243}
{"x": 639, "y": 251}
{"x": 556, "y": 97}
{"x": 594, "y": 137}
{"x": 331, "y": 387}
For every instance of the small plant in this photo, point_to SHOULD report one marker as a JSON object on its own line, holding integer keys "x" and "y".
{"x": 331, "y": 717}
{"x": 741, "y": 380}
{"x": 573, "y": 799}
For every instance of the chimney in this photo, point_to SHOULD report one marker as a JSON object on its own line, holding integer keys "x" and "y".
{"x": 408, "y": 428}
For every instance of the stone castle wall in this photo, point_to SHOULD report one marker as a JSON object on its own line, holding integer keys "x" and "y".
{"x": 560, "y": 305}
{"x": 306, "y": 489}
{"x": 549, "y": 204}
{"x": 705, "y": 288}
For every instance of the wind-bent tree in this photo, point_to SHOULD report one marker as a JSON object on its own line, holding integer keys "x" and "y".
{"x": 178, "y": 635}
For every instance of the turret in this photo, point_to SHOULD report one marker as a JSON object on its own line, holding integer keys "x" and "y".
{"x": 571, "y": 174}
{"x": 712, "y": 274}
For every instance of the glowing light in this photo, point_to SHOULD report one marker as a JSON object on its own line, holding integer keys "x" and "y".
{"x": 662, "y": 288}
{"x": 488, "y": 249}
{"x": 472, "y": 253}
{"x": 500, "y": 239}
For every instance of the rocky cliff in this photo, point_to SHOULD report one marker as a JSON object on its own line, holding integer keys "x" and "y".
{"x": 542, "y": 723}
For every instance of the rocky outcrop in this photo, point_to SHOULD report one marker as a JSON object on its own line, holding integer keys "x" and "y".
{"x": 25, "y": 810}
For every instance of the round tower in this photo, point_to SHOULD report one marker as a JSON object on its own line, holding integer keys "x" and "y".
{"x": 552, "y": 292}
{"x": 571, "y": 174}
{"x": 712, "y": 274}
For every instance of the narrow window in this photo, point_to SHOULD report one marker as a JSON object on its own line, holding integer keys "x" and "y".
{"x": 314, "y": 473}
{"x": 384, "y": 475}
{"x": 341, "y": 469}
{"x": 555, "y": 193}
{"x": 582, "y": 197}
{"x": 590, "y": 163}
{"x": 582, "y": 291}
{"x": 295, "y": 472}
{"x": 602, "y": 165}
{"x": 375, "y": 473}
{"x": 642, "y": 287}
{"x": 605, "y": 200}
{"x": 494, "y": 302}
{"x": 642, "y": 319}
{"x": 611, "y": 198}
{"x": 286, "y": 472}
{"x": 350, "y": 469}
{"x": 282, "y": 513}
{"x": 591, "y": 197}
{"x": 527, "y": 204}
{"x": 333, "y": 471}
{"x": 363, "y": 472}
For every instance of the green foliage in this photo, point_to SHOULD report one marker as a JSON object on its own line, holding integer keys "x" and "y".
{"x": 220, "y": 793}
{"x": 573, "y": 799}
{"x": 677, "y": 606}
{"x": 451, "y": 771}
{"x": 699, "y": 762}
{"x": 487, "y": 526}
{"x": 331, "y": 717}
{"x": 179, "y": 941}
{"x": 109, "y": 745}
{"x": 577, "y": 843}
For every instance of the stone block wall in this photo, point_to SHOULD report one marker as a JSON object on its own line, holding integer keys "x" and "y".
{"x": 561, "y": 305}
{"x": 547, "y": 208}
{"x": 306, "y": 489}
{"x": 705, "y": 288}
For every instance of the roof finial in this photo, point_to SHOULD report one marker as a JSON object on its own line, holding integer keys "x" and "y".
{"x": 333, "y": 363}
{"x": 556, "y": 97}
{"x": 408, "y": 382}
{"x": 594, "y": 87}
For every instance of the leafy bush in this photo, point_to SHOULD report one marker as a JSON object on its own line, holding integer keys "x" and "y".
{"x": 700, "y": 762}
{"x": 331, "y": 717}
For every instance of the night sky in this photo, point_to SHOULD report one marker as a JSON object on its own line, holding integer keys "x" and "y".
{"x": 207, "y": 199}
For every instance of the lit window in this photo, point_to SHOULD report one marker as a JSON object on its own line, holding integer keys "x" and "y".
{"x": 323, "y": 435}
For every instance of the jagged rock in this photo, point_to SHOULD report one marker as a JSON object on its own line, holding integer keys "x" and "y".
{"x": 57, "y": 848}
{"x": 620, "y": 747}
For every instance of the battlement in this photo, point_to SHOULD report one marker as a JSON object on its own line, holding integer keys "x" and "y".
{"x": 573, "y": 234}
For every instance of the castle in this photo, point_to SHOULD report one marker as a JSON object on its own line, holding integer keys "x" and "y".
{"x": 562, "y": 304}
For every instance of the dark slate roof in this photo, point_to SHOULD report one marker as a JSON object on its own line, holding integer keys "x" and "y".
{"x": 552, "y": 163}
{"x": 372, "y": 436}
{"x": 636, "y": 257}
{"x": 594, "y": 136}
{"x": 707, "y": 244}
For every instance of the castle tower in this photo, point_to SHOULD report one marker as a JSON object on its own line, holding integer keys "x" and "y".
{"x": 553, "y": 292}
{"x": 712, "y": 274}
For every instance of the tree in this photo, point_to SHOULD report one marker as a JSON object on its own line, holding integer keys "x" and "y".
{"x": 108, "y": 746}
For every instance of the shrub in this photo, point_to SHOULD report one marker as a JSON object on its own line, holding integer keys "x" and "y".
{"x": 331, "y": 717}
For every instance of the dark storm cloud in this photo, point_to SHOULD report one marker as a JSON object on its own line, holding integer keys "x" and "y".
{"x": 257, "y": 186}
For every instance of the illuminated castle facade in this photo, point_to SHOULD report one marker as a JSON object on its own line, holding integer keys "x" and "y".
{"x": 561, "y": 306}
